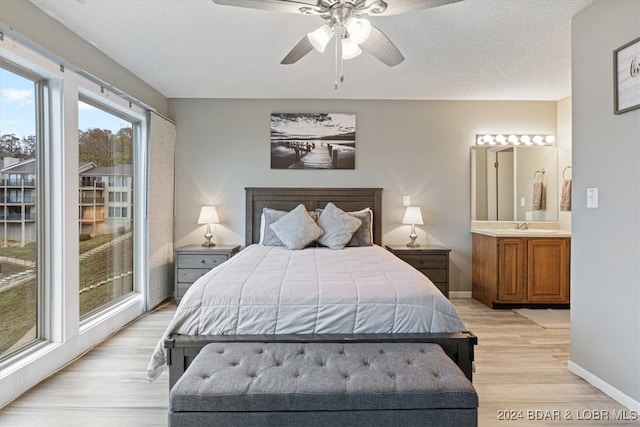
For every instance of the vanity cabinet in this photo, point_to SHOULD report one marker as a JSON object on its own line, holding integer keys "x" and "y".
{"x": 510, "y": 271}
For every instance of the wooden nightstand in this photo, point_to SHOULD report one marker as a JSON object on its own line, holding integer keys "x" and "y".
{"x": 192, "y": 262}
{"x": 430, "y": 260}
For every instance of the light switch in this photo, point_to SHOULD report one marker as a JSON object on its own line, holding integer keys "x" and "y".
{"x": 406, "y": 201}
{"x": 592, "y": 197}
{"x": 523, "y": 202}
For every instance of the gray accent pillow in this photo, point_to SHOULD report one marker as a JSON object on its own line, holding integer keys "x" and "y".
{"x": 297, "y": 228}
{"x": 268, "y": 236}
{"x": 338, "y": 226}
{"x": 269, "y": 216}
{"x": 363, "y": 235}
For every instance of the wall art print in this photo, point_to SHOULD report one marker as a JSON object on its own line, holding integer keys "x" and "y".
{"x": 313, "y": 141}
{"x": 626, "y": 68}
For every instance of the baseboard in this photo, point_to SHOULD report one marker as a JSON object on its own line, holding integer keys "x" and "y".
{"x": 605, "y": 387}
{"x": 460, "y": 294}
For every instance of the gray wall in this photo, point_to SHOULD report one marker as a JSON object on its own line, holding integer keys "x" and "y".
{"x": 605, "y": 277}
{"x": 416, "y": 148}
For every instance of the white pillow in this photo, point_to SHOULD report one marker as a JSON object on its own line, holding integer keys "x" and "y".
{"x": 338, "y": 226}
{"x": 297, "y": 228}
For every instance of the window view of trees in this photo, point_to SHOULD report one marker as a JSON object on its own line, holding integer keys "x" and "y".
{"x": 106, "y": 199}
{"x": 105, "y": 211}
{"x": 18, "y": 213}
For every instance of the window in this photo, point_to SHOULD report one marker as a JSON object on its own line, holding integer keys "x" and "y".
{"x": 19, "y": 276}
{"x": 106, "y": 141}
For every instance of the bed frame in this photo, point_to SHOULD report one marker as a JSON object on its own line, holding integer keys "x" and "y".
{"x": 182, "y": 349}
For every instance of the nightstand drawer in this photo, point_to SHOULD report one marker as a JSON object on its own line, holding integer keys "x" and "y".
{"x": 426, "y": 260}
{"x": 207, "y": 261}
{"x": 435, "y": 274}
{"x": 190, "y": 275}
{"x": 192, "y": 262}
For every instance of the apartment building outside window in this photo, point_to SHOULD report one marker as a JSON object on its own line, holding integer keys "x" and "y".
{"x": 20, "y": 291}
{"x": 106, "y": 227}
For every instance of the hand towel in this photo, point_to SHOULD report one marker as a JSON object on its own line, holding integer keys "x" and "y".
{"x": 565, "y": 200}
{"x": 539, "y": 196}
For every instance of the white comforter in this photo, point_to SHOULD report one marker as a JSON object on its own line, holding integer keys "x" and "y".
{"x": 272, "y": 290}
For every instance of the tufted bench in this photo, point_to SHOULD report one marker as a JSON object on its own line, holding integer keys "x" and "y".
{"x": 317, "y": 384}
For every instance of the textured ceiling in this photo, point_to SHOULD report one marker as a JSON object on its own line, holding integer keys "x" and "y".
{"x": 473, "y": 49}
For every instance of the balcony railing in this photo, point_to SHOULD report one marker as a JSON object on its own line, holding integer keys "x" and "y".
{"x": 18, "y": 183}
{"x": 92, "y": 200}
{"x": 26, "y": 199}
{"x": 17, "y": 217}
{"x": 91, "y": 184}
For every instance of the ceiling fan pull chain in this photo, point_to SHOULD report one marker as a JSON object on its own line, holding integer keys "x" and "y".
{"x": 335, "y": 64}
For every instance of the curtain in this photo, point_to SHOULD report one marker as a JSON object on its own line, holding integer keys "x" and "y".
{"x": 161, "y": 138}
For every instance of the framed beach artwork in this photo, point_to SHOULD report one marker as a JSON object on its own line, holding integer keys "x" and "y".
{"x": 313, "y": 141}
{"x": 626, "y": 67}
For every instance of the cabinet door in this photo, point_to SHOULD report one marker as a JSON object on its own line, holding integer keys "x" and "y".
{"x": 548, "y": 272}
{"x": 511, "y": 270}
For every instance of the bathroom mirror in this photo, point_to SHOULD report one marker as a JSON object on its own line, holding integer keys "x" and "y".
{"x": 514, "y": 183}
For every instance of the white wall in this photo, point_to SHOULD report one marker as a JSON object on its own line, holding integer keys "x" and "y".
{"x": 30, "y": 22}
{"x": 416, "y": 148}
{"x": 605, "y": 274}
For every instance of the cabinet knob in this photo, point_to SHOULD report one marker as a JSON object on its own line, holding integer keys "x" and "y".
{"x": 202, "y": 261}
{"x": 421, "y": 261}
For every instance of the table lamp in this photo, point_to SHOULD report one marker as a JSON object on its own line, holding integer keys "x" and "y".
{"x": 412, "y": 216}
{"x": 208, "y": 215}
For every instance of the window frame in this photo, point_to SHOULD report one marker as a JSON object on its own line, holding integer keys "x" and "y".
{"x": 64, "y": 335}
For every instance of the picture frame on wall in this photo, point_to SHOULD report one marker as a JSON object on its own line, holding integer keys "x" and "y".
{"x": 626, "y": 67}
{"x": 313, "y": 141}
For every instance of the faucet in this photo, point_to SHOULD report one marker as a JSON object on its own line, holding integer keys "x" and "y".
{"x": 523, "y": 226}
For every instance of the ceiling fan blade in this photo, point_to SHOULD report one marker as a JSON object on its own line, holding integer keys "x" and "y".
{"x": 397, "y": 7}
{"x": 303, "y": 47}
{"x": 283, "y": 6}
{"x": 379, "y": 45}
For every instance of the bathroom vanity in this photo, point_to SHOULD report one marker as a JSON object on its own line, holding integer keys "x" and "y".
{"x": 518, "y": 268}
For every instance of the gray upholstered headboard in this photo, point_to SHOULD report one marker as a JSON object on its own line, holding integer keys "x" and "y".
{"x": 283, "y": 198}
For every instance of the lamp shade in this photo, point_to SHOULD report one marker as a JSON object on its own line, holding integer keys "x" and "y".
{"x": 320, "y": 37}
{"x": 208, "y": 215}
{"x": 412, "y": 216}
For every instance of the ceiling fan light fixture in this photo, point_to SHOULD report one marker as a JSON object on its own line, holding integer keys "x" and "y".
{"x": 350, "y": 49}
{"x": 320, "y": 37}
{"x": 359, "y": 29}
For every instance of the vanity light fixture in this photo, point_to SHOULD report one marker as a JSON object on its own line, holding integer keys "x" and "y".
{"x": 515, "y": 139}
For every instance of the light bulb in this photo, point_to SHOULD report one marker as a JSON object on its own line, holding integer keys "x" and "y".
{"x": 480, "y": 140}
{"x": 525, "y": 139}
{"x": 359, "y": 29}
{"x": 500, "y": 139}
{"x": 489, "y": 139}
{"x": 350, "y": 49}
{"x": 550, "y": 139}
{"x": 320, "y": 37}
{"x": 537, "y": 139}
{"x": 513, "y": 139}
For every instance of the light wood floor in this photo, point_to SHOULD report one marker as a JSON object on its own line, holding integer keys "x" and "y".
{"x": 519, "y": 367}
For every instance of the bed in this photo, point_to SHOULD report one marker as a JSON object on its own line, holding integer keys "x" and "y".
{"x": 212, "y": 310}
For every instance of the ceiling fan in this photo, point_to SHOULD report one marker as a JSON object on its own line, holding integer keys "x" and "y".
{"x": 344, "y": 19}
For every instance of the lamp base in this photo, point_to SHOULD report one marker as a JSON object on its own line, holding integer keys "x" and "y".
{"x": 413, "y": 236}
{"x": 208, "y": 243}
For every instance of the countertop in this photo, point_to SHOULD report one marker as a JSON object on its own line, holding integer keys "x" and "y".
{"x": 513, "y": 232}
